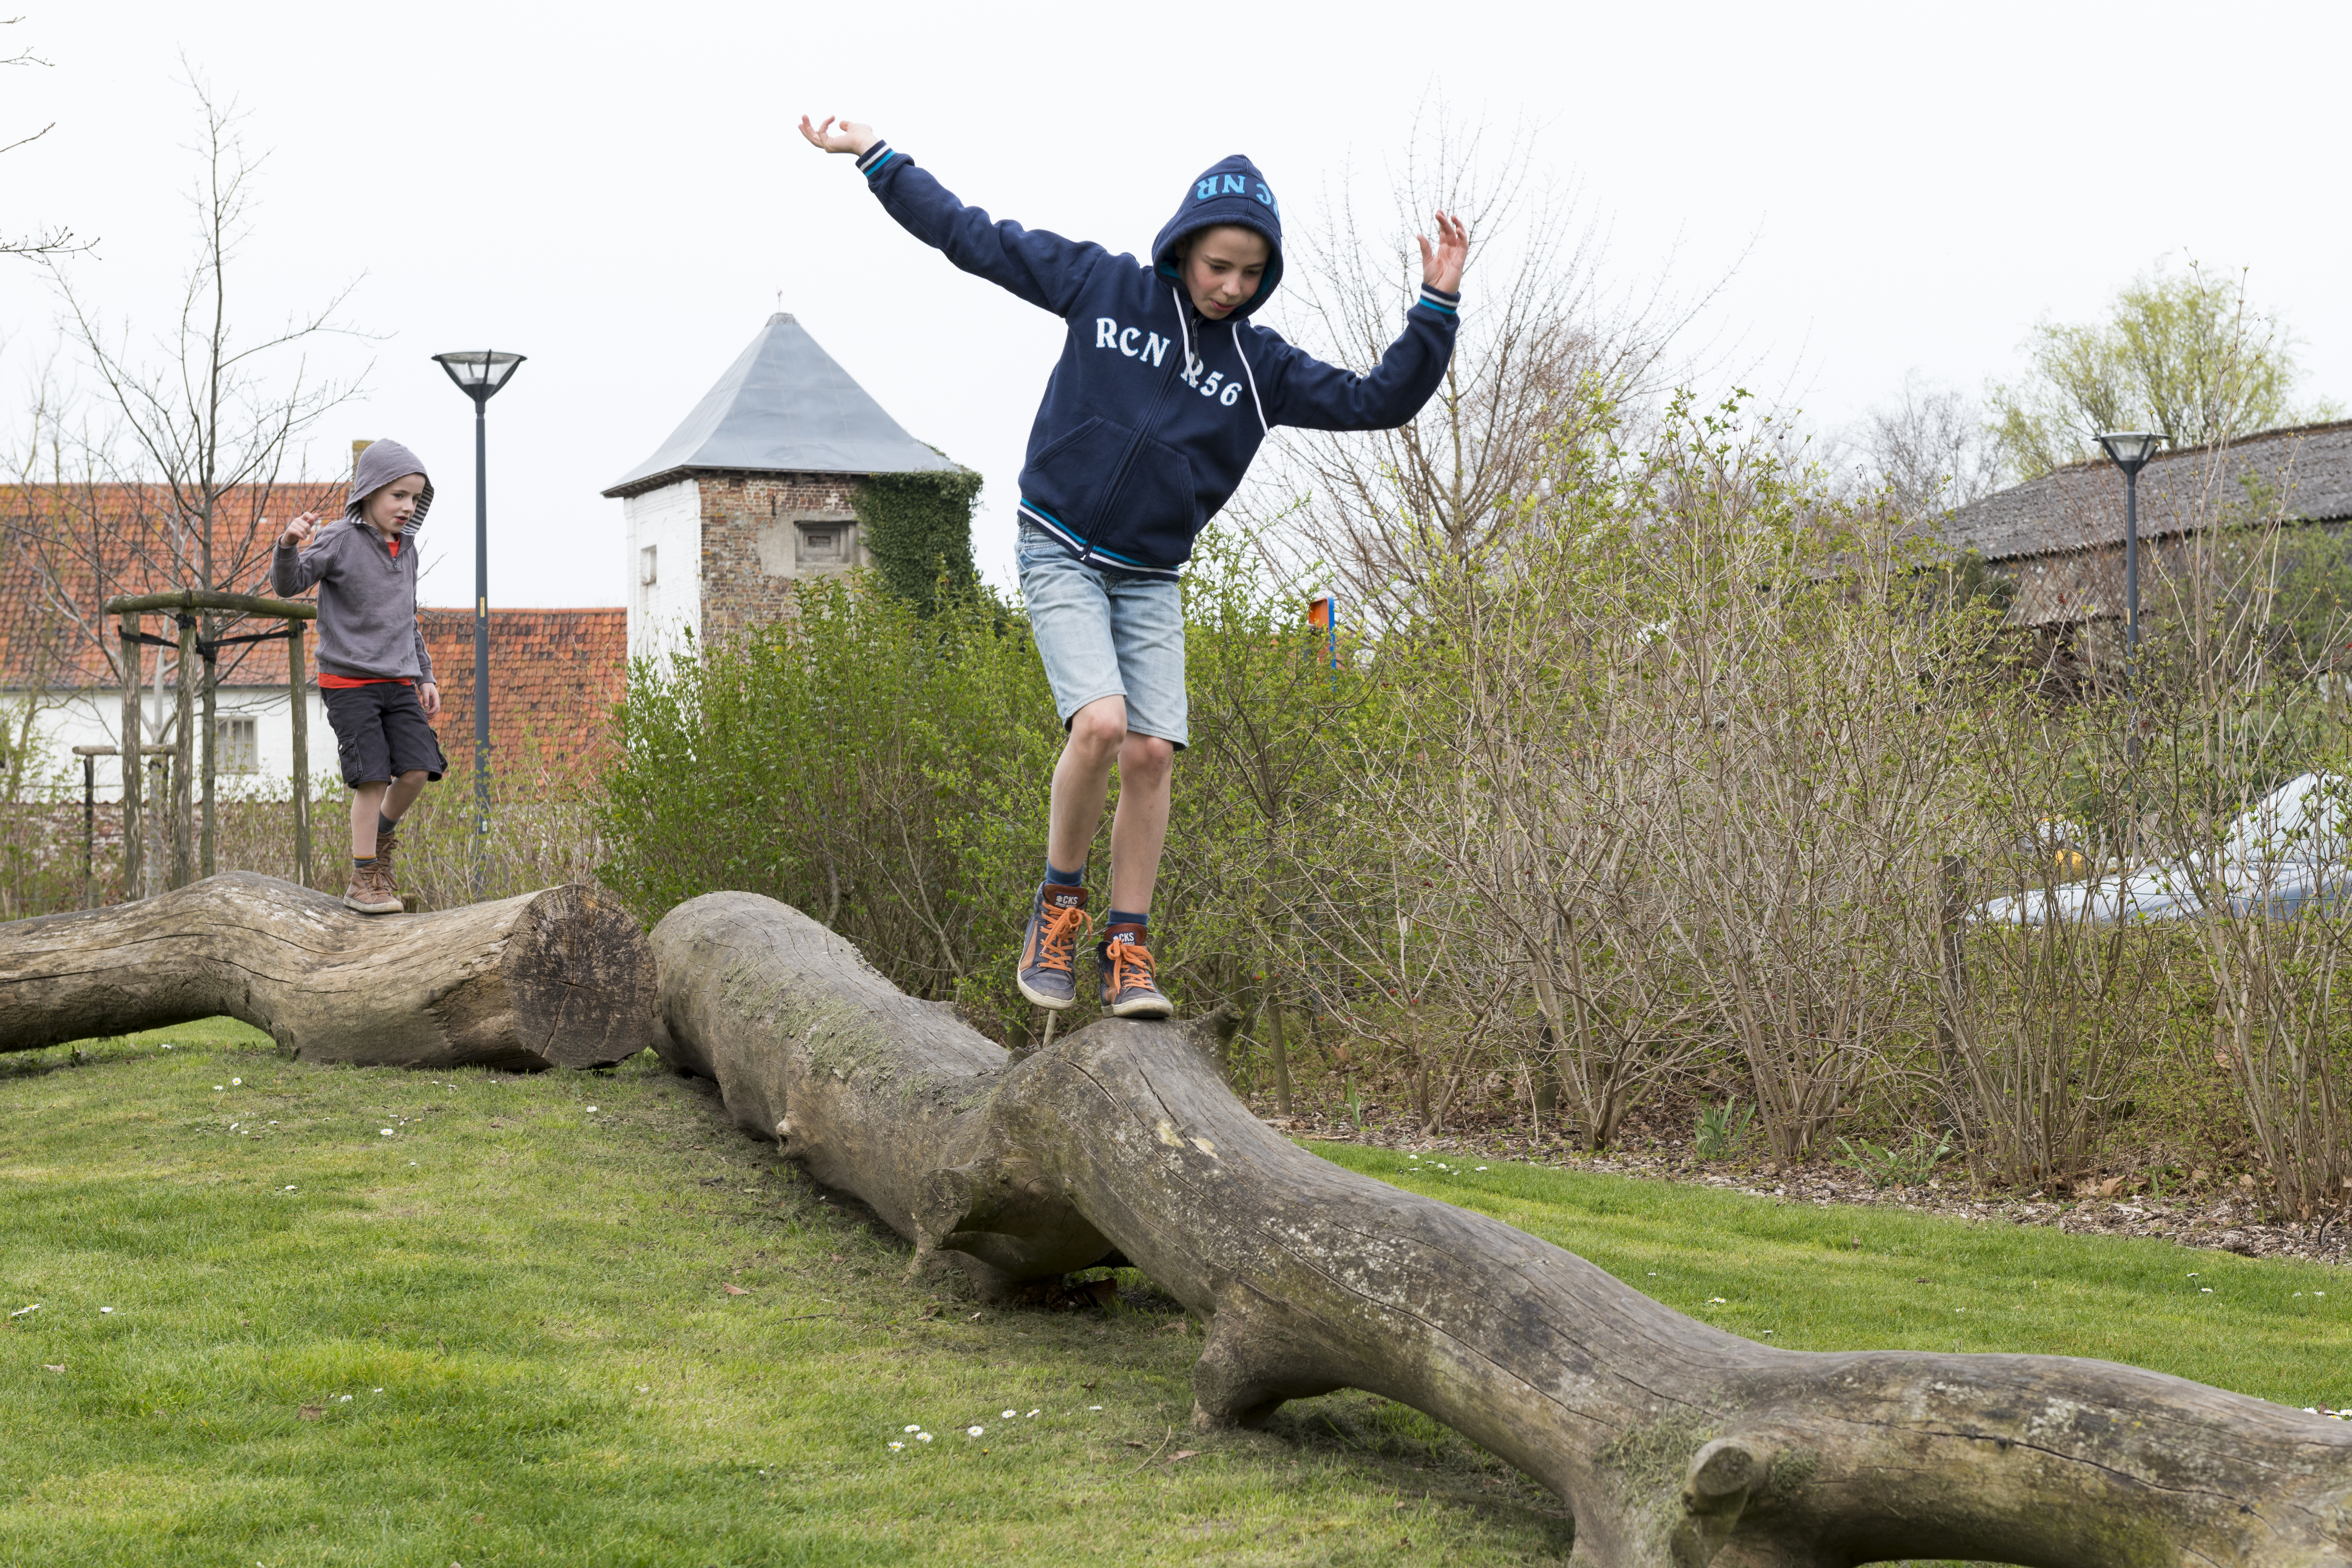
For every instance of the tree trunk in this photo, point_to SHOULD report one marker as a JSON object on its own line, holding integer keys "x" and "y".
{"x": 560, "y": 978}
{"x": 208, "y": 783}
{"x": 183, "y": 765}
{"x": 1672, "y": 1441}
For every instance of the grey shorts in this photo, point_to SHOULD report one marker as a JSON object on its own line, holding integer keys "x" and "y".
{"x": 1106, "y": 633}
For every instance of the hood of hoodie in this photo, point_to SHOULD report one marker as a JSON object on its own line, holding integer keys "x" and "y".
{"x": 1230, "y": 191}
{"x": 380, "y": 462}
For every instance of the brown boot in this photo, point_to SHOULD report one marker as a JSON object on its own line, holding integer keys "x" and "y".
{"x": 385, "y": 843}
{"x": 372, "y": 891}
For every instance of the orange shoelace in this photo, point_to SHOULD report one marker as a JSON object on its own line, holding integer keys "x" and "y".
{"x": 1058, "y": 941}
{"x": 1126, "y": 956}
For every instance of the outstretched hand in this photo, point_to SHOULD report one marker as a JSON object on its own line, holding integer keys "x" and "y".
{"x": 839, "y": 135}
{"x": 1441, "y": 264}
{"x": 298, "y": 533}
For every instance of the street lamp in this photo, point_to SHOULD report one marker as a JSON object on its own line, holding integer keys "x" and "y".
{"x": 480, "y": 373}
{"x": 2130, "y": 450}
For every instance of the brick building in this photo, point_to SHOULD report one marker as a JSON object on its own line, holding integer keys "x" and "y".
{"x": 757, "y": 488}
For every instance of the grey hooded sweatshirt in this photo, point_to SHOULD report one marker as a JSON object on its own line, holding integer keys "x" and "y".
{"x": 367, "y": 592}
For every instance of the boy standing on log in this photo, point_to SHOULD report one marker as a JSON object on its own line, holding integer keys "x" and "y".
{"x": 375, "y": 674}
{"x": 1164, "y": 392}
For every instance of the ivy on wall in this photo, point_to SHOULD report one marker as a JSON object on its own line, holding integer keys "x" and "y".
{"x": 918, "y": 531}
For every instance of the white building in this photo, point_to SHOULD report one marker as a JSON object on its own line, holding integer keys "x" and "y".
{"x": 757, "y": 488}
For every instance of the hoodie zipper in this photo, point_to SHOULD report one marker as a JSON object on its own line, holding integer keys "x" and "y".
{"x": 1150, "y": 420}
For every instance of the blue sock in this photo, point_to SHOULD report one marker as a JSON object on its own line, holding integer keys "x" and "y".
{"x": 1128, "y": 917}
{"x": 1076, "y": 879}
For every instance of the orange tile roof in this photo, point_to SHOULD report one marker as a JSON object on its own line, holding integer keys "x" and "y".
{"x": 555, "y": 674}
{"x": 555, "y": 677}
{"x": 65, "y": 549}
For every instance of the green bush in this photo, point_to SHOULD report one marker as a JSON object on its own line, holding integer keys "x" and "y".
{"x": 880, "y": 770}
{"x": 918, "y": 528}
{"x": 1689, "y": 790}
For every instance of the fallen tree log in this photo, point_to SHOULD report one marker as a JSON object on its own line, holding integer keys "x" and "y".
{"x": 1671, "y": 1441}
{"x": 558, "y": 978}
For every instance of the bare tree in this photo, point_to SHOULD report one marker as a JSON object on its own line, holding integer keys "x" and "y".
{"x": 55, "y": 241}
{"x": 205, "y": 437}
{"x": 1927, "y": 450}
{"x": 1545, "y": 358}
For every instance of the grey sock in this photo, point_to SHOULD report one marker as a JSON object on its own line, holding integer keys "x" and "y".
{"x": 383, "y": 825}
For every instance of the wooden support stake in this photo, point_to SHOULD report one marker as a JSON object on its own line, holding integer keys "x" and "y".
{"x": 297, "y": 690}
{"x": 88, "y": 823}
{"x": 184, "y": 801}
{"x": 134, "y": 830}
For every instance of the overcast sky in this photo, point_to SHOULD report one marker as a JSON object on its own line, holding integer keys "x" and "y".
{"x": 619, "y": 192}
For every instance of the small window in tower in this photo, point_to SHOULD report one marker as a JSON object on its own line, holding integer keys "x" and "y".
{"x": 824, "y": 544}
{"x": 236, "y": 746}
{"x": 646, "y": 571}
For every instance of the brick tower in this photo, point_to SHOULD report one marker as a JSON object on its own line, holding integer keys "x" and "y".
{"x": 757, "y": 488}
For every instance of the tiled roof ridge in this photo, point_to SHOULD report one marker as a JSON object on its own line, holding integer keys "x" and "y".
{"x": 2227, "y": 444}
{"x": 2077, "y": 508}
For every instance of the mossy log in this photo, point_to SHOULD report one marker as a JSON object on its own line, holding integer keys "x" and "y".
{"x": 558, "y": 978}
{"x": 1671, "y": 1441}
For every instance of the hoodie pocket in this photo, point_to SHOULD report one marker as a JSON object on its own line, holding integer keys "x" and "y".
{"x": 1067, "y": 476}
{"x": 1145, "y": 514}
{"x": 1155, "y": 514}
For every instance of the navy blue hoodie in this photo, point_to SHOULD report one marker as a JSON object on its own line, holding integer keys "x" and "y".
{"x": 1155, "y": 411}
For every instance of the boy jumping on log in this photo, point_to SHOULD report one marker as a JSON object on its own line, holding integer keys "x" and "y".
{"x": 375, "y": 674}
{"x": 1164, "y": 392}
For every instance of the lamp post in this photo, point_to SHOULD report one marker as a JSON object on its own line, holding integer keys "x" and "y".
{"x": 480, "y": 373}
{"x": 2130, "y": 450}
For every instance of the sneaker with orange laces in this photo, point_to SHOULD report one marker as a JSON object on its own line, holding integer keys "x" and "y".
{"x": 1048, "y": 972}
{"x": 1125, "y": 965}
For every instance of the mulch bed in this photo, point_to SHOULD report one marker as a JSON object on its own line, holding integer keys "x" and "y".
{"x": 2219, "y": 1220}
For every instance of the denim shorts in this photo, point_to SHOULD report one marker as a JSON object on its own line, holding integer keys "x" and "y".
{"x": 1106, "y": 633}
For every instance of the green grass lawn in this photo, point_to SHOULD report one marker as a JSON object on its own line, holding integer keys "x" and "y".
{"x": 503, "y": 1333}
{"x": 1854, "y": 1279}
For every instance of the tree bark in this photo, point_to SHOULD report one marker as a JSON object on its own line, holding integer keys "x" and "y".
{"x": 1671, "y": 1441}
{"x": 559, "y": 978}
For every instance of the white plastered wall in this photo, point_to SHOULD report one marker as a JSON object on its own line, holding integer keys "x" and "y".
{"x": 665, "y": 614}
{"x": 95, "y": 719}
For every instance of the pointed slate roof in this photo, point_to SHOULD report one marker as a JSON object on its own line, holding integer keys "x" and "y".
{"x": 783, "y": 406}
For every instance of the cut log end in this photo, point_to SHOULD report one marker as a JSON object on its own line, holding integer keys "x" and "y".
{"x": 581, "y": 979}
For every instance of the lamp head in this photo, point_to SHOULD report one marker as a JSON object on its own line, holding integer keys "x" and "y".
{"x": 2130, "y": 449}
{"x": 479, "y": 372}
